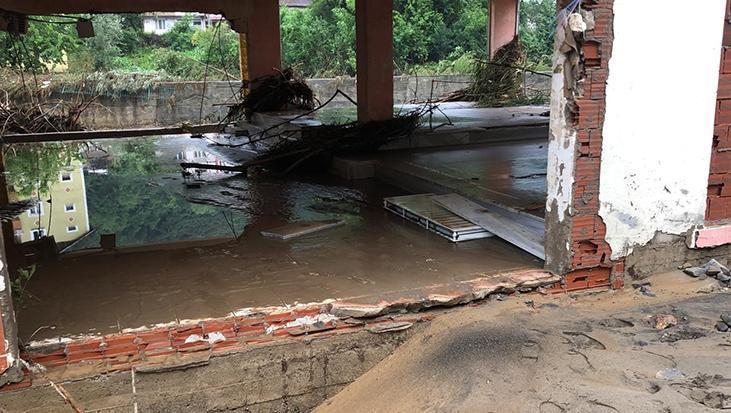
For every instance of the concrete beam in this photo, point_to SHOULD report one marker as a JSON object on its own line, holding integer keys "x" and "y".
{"x": 374, "y": 55}
{"x": 503, "y": 24}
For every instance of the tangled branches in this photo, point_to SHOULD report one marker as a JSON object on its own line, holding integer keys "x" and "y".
{"x": 316, "y": 145}
{"x": 499, "y": 81}
{"x": 271, "y": 93}
{"x": 32, "y": 117}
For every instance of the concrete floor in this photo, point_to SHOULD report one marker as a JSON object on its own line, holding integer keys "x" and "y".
{"x": 510, "y": 173}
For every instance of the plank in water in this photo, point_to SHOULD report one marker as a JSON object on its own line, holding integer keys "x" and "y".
{"x": 298, "y": 229}
{"x": 511, "y": 231}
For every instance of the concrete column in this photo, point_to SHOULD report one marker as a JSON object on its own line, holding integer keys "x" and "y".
{"x": 263, "y": 38}
{"x": 374, "y": 55}
{"x": 503, "y": 24}
{"x": 244, "y": 56}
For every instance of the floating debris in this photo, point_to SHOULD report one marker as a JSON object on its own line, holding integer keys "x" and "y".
{"x": 298, "y": 229}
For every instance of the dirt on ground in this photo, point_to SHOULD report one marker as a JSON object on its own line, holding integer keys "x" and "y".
{"x": 569, "y": 353}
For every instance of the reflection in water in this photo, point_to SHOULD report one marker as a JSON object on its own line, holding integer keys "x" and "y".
{"x": 123, "y": 187}
{"x": 134, "y": 189}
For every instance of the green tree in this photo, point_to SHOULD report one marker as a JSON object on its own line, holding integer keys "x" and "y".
{"x": 34, "y": 167}
{"x": 537, "y": 26}
{"x": 45, "y": 43}
{"x": 217, "y": 46}
{"x": 316, "y": 45}
{"x": 179, "y": 37}
{"x": 101, "y": 49}
{"x": 133, "y": 37}
{"x": 136, "y": 158}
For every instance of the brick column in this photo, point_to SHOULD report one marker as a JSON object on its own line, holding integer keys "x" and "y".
{"x": 374, "y": 55}
{"x": 503, "y": 24}
{"x": 719, "y": 181}
{"x": 575, "y": 235}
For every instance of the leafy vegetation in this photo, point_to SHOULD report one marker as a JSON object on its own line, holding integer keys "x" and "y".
{"x": 430, "y": 36}
{"x": 32, "y": 168}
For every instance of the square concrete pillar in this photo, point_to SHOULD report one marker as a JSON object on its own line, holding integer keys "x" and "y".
{"x": 374, "y": 55}
{"x": 503, "y": 24}
{"x": 264, "y": 42}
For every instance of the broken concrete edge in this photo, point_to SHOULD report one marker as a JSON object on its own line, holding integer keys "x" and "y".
{"x": 456, "y": 294}
{"x": 173, "y": 345}
{"x": 164, "y": 350}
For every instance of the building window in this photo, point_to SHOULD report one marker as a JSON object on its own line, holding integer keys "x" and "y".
{"x": 65, "y": 176}
{"x": 69, "y": 207}
{"x": 161, "y": 25}
{"x": 72, "y": 228}
{"x": 36, "y": 210}
{"x": 37, "y": 233}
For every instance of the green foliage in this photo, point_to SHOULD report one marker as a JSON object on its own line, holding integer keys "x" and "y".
{"x": 44, "y": 44}
{"x": 430, "y": 36}
{"x": 537, "y": 26}
{"x": 137, "y": 158}
{"x": 18, "y": 287}
{"x": 320, "y": 40}
{"x": 219, "y": 46}
{"x": 133, "y": 36}
{"x": 319, "y": 47}
{"x": 179, "y": 37}
{"x": 32, "y": 168}
{"x": 99, "y": 51}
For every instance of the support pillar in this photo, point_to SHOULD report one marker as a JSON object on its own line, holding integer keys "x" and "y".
{"x": 10, "y": 368}
{"x": 503, "y": 24}
{"x": 374, "y": 58}
{"x": 244, "y": 56}
{"x": 263, "y": 37}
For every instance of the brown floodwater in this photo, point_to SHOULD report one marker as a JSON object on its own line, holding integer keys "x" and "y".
{"x": 202, "y": 271}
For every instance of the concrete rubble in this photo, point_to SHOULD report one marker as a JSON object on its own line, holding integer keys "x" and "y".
{"x": 712, "y": 269}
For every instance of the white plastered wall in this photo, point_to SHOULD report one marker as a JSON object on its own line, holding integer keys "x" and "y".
{"x": 660, "y": 108}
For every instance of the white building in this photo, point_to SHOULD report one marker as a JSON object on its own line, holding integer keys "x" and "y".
{"x": 160, "y": 23}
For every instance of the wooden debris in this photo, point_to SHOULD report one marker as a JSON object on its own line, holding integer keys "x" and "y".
{"x": 34, "y": 118}
{"x": 298, "y": 229}
{"x": 279, "y": 91}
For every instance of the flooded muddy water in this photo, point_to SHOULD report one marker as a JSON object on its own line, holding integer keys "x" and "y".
{"x": 191, "y": 247}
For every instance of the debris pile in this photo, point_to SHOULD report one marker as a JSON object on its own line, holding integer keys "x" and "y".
{"x": 713, "y": 269}
{"x": 315, "y": 146}
{"x": 498, "y": 81}
{"x": 33, "y": 118}
{"x": 279, "y": 91}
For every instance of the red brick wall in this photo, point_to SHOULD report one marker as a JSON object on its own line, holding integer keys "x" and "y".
{"x": 3, "y": 351}
{"x": 719, "y": 181}
{"x": 591, "y": 263}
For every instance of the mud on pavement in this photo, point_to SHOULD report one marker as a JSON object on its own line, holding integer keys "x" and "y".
{"x": 603, "y": 353}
